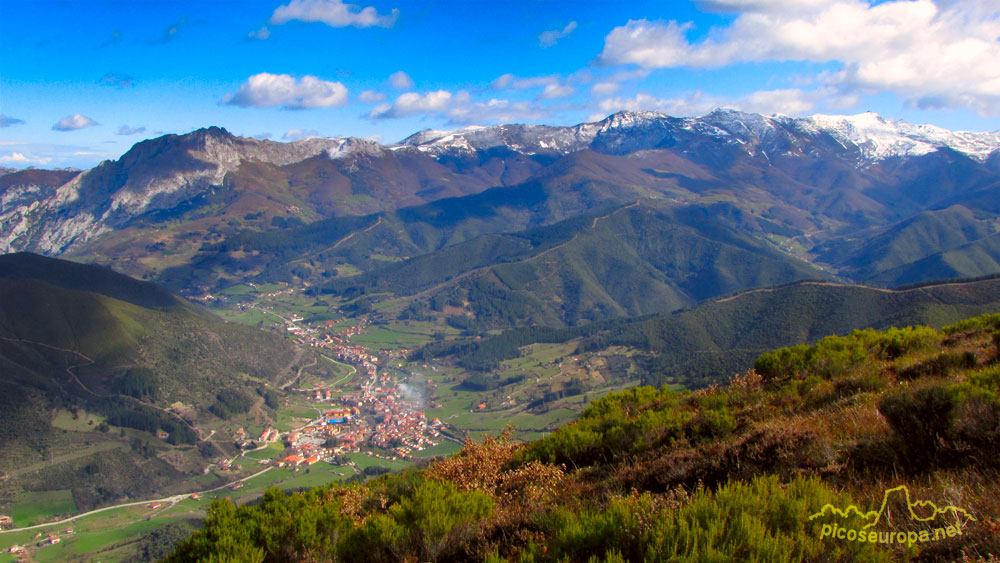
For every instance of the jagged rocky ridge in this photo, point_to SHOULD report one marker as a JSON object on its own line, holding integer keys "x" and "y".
{"x": 839, "y": 174}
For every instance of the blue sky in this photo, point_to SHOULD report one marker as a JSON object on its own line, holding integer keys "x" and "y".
{"x": 81, "y": 82}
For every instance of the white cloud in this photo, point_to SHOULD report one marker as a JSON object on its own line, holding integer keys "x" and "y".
{"x": 790, "y": 101}
{"x": 736, "y": 6}
{"x": 272, "y": 90}
{"x": 299, "y": 134}
{"x": 556, "y": 91}
{"x": 261, "y": 34}
{"x": 26, "y": 158}
{"x": 649, "y": 45}
{"x": 412, "y": 103}
{"x": 503, "y": 81}
{"x": 549, "y": 38}
{"x": 15, "y": 158}
{"x": 459, "y": 108}
{"x": 333, "y": 13}
{"x": 371, "y": 97}
{"x": 496, "y": 111}
{"x": 604, "y": 88}
{"x": 695, "y": 104}
{"x": 126, "y": 130}
{"x": 8, "y": 121}
{"x": 534, "y": 82}
{"x": 73, "y": 122}
{"x": 508, "y": 80}
{"x": 400, "y": 80}
{"x": 931, "y": 55}
{"x": 21, "y": 154}
{"x": 626, "y": 75}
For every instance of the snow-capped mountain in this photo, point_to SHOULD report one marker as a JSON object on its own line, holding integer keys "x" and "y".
{"x": 879, "y": 138}
{"x": 241, "y": 177}
{"x": 867, "y": 135}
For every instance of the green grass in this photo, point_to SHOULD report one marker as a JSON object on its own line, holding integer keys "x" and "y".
{"x": 239, "y": 289}
{"x": 95, "y": 540}
{"x": 445, "y": 447}
{"x": 294, "y": 417}
{"x": 272, "y": 449}
{"x": 84, "y": 421}
{"x": 380, "y": 338}
{"x": 34, "y": 507}
{"x": 315, "y": 475}
{"x": 363, "y": 460}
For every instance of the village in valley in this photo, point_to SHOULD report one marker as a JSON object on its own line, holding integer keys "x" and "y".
{"x": 378, "y": 419}
{"x": 373, "y": 411}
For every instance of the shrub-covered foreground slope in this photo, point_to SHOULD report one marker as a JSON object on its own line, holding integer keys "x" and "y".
{"x": 902, "y": 425}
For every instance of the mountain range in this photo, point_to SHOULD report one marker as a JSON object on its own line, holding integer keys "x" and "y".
{"x": 854, "y": 198}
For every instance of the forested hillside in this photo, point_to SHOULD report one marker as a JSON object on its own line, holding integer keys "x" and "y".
{"x": 79, "y": 343}
{"x": 718, "y": 338}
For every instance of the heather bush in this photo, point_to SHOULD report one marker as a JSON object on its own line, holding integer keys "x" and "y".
{"x": 921, "y": 419}
{"x": 762, "y": 520}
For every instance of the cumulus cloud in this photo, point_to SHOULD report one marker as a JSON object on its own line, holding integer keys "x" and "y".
{"x": 459, "y": 108}
{"x": 731, "y": 6}
{"x": 333, "y": 13}
{"x": 508, "y": 80}
{"x": 931, "y": 55}
{"x": 495, "y": 111}
{"x": 604, "y": 88}
{"x": 502, "y": 82}
{"x": 693, "y": 104}
{"x": 556, "y": 91}
{"x": 261, "y": 34}
{"x": 371, "y": 97}
{"x": 274, "y": 90}
{"x": 46, "y": 154}
{"x": 14, "y": 158}
{"x": 400, "y": 80}
{"x": 126, "y": 130}
{"x": 549, "y": 38}
{"x": 789, "y": 101}
{"x": 117, "y": 80}
{"x": 299, "y": 134}
{"x": 8, "y": 121}
{"x": 412, "y": 103}
{"x": 73, "y": 122}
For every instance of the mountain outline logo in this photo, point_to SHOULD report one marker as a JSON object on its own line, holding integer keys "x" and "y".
{"x": 873, "y": 517}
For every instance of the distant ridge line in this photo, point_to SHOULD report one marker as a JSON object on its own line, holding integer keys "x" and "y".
{"x": 929, "y": 285}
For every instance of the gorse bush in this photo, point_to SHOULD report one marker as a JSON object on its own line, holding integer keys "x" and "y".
{"x": 837, "y": 355}
{"x": 625, "y": 423}
{"x": 430, "y": 520}
{"x": 762, "y": 520}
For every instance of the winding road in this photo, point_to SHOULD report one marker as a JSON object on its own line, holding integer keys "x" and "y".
{"x": 171, "y": 499}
